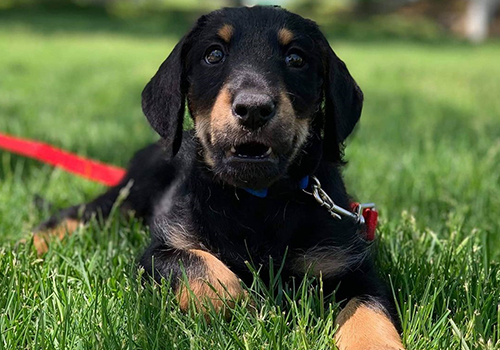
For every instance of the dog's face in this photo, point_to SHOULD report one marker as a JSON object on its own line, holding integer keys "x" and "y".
{"x": 254, "y": 86}
{"x": 256, "y": 81}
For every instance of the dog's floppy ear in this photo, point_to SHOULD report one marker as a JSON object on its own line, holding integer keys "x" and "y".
{"x": 163, "y": 99}
{"x": 343, "y": 104}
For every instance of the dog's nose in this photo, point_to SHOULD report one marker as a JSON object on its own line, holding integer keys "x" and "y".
{"x": 253, "y": 109}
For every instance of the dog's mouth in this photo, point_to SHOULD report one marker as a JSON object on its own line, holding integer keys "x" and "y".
{"x": 252, "y": 163}
{"x": 250, "y": 151}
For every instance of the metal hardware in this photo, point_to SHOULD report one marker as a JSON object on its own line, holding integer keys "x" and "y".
{"x": 337, "y": 212}
{"x": 361, "y": 208}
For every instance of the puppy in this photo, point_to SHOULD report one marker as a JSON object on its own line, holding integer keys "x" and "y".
{"x": 272, "y": 105}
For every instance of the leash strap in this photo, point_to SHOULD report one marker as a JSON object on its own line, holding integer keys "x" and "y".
{"x": 90, "y": 169}
{"x": 111, "y": 175}
{"x": 364, "y": 214}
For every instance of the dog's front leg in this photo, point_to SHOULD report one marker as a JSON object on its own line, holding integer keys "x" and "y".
{"x": 365, "y": 325}
{"x": 367, "y": 320}
{"x": 210, "y": 283}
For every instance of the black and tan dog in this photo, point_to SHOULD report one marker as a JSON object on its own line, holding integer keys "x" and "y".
{"x": 272, "y": 105}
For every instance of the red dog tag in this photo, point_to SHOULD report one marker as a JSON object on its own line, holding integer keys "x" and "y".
{"x": 371, "y": 218}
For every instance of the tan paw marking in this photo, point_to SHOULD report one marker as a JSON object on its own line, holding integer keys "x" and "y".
{"x": 218, "y": 286}
{"x": 41, "y": 239}
{"x": 365, "y": 327}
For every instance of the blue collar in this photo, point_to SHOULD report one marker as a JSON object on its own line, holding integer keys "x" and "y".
{"x": 303, "y": 183}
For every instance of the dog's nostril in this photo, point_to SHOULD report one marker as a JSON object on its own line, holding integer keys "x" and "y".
{"x": 266, "y": 111}
{"x": 241, "y": 110}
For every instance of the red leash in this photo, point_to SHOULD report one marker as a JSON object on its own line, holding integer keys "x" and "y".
{"x": 111, "y": 175}
{"x": 90, "y": 169}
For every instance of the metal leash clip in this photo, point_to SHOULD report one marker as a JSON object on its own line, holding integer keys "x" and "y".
{"x": 337, "y": 212}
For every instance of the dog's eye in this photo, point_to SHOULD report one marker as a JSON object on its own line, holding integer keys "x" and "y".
{"x": 214, "y": 56}
{"x": 294, "y": 60}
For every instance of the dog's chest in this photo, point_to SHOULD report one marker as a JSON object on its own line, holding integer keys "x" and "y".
{"x": 257, "y": 229}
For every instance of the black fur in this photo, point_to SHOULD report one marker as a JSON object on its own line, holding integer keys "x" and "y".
{"x": 163, "y": 99}
{"x": 343, "y": 103}
{"x": 192, "y": 204}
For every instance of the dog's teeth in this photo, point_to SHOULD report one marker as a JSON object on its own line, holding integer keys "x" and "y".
{"x": 233, "y": 150}
{"x": 268, "y": 152}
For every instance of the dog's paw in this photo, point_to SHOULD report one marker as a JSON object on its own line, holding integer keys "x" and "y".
{"x": 365, "y": 326}
{"x": 52, "y": 229}
{"x": 218, "y": 288}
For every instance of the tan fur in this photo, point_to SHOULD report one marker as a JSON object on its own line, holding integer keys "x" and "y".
{"x": 285, "y": 36}
{"x": 299, "y": 126}
{"x": 180, "y": 240}
{"x": 221, "y": 123}
{"x": 178, "y": 237}
{"x": 203, "y": 131}
{"x": 363, "y": 327}
{"x": 217, "y": 286}
{"x": 221, "y": 117}
{"x": 41, "y": 239}
{"x": 226, "y": 32}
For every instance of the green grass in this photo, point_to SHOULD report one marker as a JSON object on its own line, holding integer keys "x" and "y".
{"x": 427, "y": 152}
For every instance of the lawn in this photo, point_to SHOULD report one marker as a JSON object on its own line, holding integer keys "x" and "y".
{"x": 427, "y": 151}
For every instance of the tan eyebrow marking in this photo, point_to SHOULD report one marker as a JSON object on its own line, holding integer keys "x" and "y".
{"x": 285, "y": 36}
{"x": 226, "y": 32}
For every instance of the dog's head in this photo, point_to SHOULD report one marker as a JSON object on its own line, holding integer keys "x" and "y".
{"x": 264, "y": 89}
